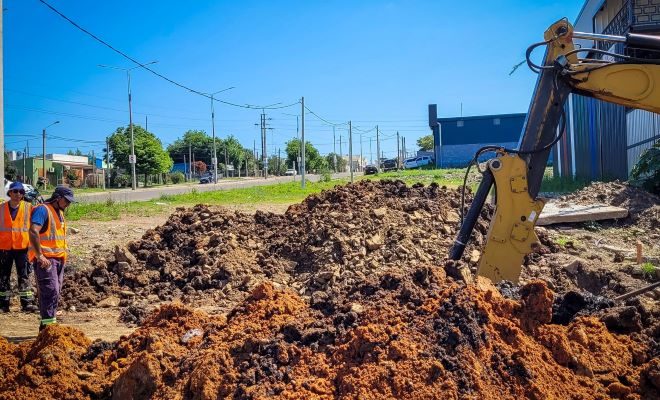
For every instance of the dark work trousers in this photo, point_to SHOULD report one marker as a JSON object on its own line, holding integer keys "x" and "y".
{"x": 7, "y": 259}
{"x": 49, "y": 282}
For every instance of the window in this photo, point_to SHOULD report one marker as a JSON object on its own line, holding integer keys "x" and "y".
{"x": 459, "y": 124}
{"x": 496, "y": 121}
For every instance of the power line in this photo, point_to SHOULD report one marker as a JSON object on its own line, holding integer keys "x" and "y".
{"x": 108, "y": 45}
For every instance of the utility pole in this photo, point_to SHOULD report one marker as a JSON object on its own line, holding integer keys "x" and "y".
{"x": 24, "y": 153}
{"x": 340, "y": 152}
{"x": 185, "y": 167}
{"x": 214, "y": 158}
{"x": 254, "y": 154}
{"x": 2, "y": 107}
{"x": 278, "y": 161}
{"x": 334, "y": 148}
{"x": 302, "y": 144}
{"x": 226, "y": 165}
{"x": 107, "y": 160}
{"x": 190, "y": 159}
{"x": 361, "y": 152}
{"x": 398, "y": 151}
{"x": 264, "y": 157}
{"x": 43, "y": 156}
{"x": 378, "y": 149}
{"x": 146, "y": 123}
{"x": 350, "y": 149}
{"x": 371, "y": 152}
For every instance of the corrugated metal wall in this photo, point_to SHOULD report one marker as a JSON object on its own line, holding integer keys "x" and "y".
{"x": 643, "y": 129}
{"x": 596, "y": 138}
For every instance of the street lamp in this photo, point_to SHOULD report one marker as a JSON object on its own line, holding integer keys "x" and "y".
{"x": 43, "y": 156}
{"x": 214, "y": 160}
{"x": 131, "y": 158}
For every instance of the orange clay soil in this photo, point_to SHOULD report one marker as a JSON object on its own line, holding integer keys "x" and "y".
{"x": 457, "y": 342}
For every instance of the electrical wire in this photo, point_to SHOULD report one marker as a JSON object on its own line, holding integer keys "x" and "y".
{"x": 108, "y": 45}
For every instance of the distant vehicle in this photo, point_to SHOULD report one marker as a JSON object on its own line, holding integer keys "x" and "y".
{"x": 208, "y": 178}
{"x": 410, "y": 163}
{"x": 424, "y": 160}
{"x": 290, "y": 172}
{"x": 370, "y": 170}
{"x": 389, "y": 165}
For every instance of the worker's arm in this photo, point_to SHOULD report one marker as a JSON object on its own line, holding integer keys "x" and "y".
{"x": 42, "y": 261}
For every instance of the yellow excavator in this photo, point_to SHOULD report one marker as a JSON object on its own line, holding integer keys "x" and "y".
{"x": 517, "y": 173}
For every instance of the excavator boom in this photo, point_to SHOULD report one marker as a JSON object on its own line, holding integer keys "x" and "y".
{"x": 517, "y": 173}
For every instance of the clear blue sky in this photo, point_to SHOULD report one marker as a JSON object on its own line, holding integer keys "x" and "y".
{"x": 372, "y": 62}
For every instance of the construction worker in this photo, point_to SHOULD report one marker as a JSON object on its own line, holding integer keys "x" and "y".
{"x": 14, "y": 239}
{"x": 48, "y": 251}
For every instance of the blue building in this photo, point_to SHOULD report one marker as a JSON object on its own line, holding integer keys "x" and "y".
{"x": 456, "y": 139}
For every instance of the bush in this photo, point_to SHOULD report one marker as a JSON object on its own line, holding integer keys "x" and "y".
{"x": 325, "y": 176}
{"x": 122, "y": 180}
{"x": 646, "y": 172}
{"x": 177, "y": 177}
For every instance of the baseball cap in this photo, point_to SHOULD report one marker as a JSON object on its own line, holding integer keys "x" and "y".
{"x": 15, "y": 186}
{"x": 66, "y": 192}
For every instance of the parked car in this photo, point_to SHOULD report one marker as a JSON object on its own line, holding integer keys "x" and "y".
{"x": 208, "y": 178}
{"x": 424, "y": 160}
{"x": 370, "y": 170}
{"x": 410, "y": 163}
{"x": 290, "y": 172}
{"x": 389, "y": 165}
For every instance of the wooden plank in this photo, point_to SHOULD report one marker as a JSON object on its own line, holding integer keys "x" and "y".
{"x": 554, "y": 213}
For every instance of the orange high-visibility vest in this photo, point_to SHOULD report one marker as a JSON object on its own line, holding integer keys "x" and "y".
{"x": 53, "y": 239}
{"x": 14, "y": 233}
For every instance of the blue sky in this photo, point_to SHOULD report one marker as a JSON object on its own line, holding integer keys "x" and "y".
{"x": 371, "y": 62}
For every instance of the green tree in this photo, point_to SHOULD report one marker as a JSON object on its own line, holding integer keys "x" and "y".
{"x": 10, "y": 168}
{"x": 313, "y": 159}
{"x": 425, "y": 143}
{"x": 276, "y": 165}
{"x": 341, "y": 162}
{"x": 196, "y": 142}
{"x": 151, "y": 157}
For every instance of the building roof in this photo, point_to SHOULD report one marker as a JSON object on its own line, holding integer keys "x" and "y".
{"x": 479, "y": 117}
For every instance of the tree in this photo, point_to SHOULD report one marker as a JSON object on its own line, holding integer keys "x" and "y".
{"x": 199, "y": 166}
{"x": 151, "y": 157}
{"x": 276, "y": 165}
{"x": 74, "y": 153}
{"x": 10, "y": 168}
{"x": 341, "y": 162}
{"x": 313, "y": 159}
{"x": 196, "y": 142}
{"x": 425, "y": 143}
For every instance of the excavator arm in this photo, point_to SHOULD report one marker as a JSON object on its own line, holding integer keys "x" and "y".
{"x": 517, "y": 174}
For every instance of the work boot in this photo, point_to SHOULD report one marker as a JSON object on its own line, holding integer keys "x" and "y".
{"x": 29, "y": 308}
{"x": 4, "y": 305}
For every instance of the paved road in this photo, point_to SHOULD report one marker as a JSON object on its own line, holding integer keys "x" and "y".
{"x": 143, "y": 194}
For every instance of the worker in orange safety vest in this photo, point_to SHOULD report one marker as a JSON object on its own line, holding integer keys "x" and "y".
{"x": 14, "y": 239}
{"x": 48, "y": 251}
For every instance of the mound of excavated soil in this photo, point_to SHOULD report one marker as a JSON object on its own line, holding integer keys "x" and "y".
{"x": 320, "y": 248}
{"x": 418, "y": 335}
{"x": 644, "y": 207}
{"x": 343, "y": 296}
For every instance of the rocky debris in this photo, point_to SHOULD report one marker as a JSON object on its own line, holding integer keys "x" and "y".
{"x": 329, "y": 243}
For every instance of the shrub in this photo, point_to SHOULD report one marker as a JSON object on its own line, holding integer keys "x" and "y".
{"x": 123, "y": 180}
{"x": 177, "y": 177}
{"x": 646, "y": 172}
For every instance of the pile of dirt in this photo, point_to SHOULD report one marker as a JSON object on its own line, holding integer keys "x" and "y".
{"x": 644, "y": 207}
{"x": 419, "y": 335}
{"x": 320, "y": 248}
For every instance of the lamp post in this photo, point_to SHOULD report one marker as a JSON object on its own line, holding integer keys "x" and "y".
{"x": 131, "y": 158}
{"x": 43, "y": 156}
{"x": 214, "y": 159}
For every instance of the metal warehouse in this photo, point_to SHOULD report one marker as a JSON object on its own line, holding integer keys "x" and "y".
{"x": 456, "y": 139}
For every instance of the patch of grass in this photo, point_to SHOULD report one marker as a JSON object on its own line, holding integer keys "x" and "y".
{"x": 562, "y": 240}
{"x": 451, "y": 177}
{"x": 648, "y": 269}
{"x": 562, "y": 184}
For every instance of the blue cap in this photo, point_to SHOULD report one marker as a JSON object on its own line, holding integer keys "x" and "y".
{"x": 63, "y": 191}
{"x": 15, "y": 186}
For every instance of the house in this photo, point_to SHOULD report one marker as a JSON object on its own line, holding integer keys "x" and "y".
{"x": 60, "y": 169}
{"x": 603, "y": 140}
{"x": 457, "y": 139}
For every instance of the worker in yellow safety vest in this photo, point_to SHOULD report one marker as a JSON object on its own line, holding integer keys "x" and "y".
{"x": 48, "y": 250}
{"x": 14, "y": 239}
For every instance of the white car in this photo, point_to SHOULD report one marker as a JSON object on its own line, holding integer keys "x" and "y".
{"x": 290, "y": 172}
{"x": 410, "y": 163}
{"x": 424, "y": 160}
